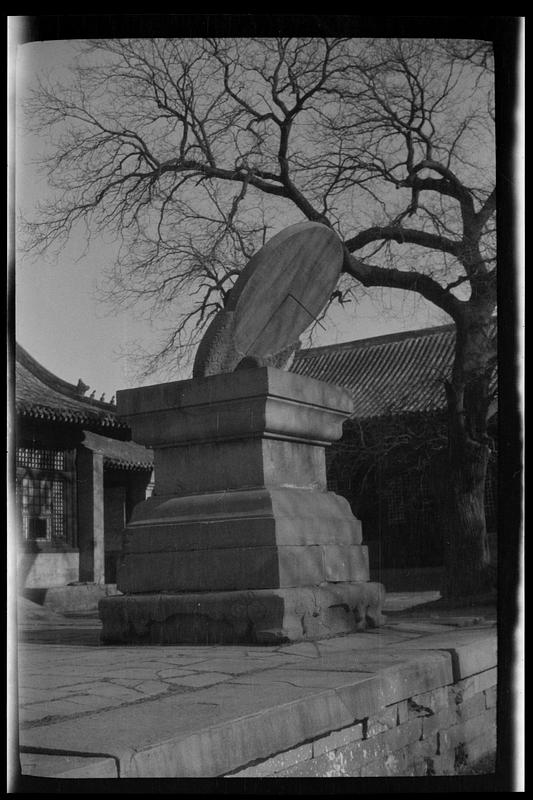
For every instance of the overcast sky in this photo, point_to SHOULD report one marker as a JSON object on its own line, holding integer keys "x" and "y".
{"x": 60, "y": 320}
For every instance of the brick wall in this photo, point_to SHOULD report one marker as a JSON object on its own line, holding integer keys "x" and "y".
{"x": 439, "y": 732}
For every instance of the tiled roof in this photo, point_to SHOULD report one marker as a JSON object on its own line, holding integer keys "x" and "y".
{"x": 41, "y": 395}
{"x": 398, "y": 373}
{"x": 120, "y": 455}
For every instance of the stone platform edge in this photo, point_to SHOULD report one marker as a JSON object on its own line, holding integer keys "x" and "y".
{"x": 249, "y": 616}
{"x": 428, "y": 714}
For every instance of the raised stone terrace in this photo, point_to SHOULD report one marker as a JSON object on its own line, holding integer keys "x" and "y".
{"x": 416, "y": 696}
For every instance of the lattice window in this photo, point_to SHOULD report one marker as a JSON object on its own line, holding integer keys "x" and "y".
{"x": 58, "y": 509}
{"x": 46, "y": 494}
{"x": 42, "y": 502}
{"x": 38, "y": 458}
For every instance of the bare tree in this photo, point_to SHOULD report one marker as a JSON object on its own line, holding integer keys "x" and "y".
{"x": 192, "y": 149}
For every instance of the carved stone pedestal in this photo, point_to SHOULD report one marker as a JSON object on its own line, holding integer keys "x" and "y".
{"x": 241, "y": 541}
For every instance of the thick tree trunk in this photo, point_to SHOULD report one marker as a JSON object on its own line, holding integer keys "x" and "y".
{"x": 467, "y": 559}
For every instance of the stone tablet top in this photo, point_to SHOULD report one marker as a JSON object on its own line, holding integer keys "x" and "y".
{"x": 277, "y": 296}
{"x": 284, "y": 287}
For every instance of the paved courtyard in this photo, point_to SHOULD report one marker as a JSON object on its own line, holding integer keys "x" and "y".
{"x": 88, "y": 710}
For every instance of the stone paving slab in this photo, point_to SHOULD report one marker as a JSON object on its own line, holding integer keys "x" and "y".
{"x": 472, "y": 650}
{"x": 63, "y": 766}
{"x": 202, "y": 711}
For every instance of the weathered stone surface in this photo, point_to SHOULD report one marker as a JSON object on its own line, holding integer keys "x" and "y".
{"x": 439, "y": 721}
{"x": 477, "y": 657}
{"x": 212, "y": 732}
{"x": 388, "y": 765}
{"x": 221, "y": 570}
{"x": 410, "y": 760}
{"x": 202, "y": 711}
{"x": 264, "y": 401}
{"x": 472, "y": 707}
{"x": 342, "y": 563}
{"x": 326, "y": 765}
{"x": 215, "y": 466}
{"x": 184, "y": 735}
{"x": 237, "y": 540}
{"x": 337, "y": 739}
{"x": 357, "y": 755}
{"x": 262, "y": 517}
{"x": 366, "y": 645}
{"x": 142, "y": 402}
{"x": 441, "y": 764}
{"x": 425, "y": 671}
{"x": 241, "y": 504}
{"x": 278, "y": 503}
{"x": 386, "y": 719}
{"x": 399, "y": 736}
{"x": 472, "y": 651}
{"x": 278, "y": 294}
{"x": 82, "y": 597}
{"x": 276, "y": 764}
{"x": 427, "y": 703}
{"x": 215, "y": 353}
{"x": 295, "y": 676}
{"x": 423, "y": 748}
{"x": 468, "y": 687}
{"x": 482, "y": 745}
{"x": 43, "y": 765}
{"x": 491, "y": 697}
{"x": 48, "y": 569}
{"x": 403, "y": 711}
{"x": 255, "y": 616}
{"x": 230, "y": 569}
{"x": 468, "y": 730}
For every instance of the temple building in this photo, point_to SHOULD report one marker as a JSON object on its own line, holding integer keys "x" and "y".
{"x": 389, "y": 463}
{"x": 77, "y": 475}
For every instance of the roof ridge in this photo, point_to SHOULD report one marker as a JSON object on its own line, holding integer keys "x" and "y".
{"x": 380, "y": 339}
{"x": 56, "y": 383}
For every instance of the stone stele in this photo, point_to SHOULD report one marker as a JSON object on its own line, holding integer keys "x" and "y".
{"x": 241, "y": 541}
{"x": 277, "y": 296}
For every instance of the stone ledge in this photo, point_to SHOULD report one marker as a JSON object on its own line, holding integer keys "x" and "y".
{"x": 235, "y": 518}
{"x": 386, "y": 744}
{"x": 302, "y": 708}
{"x": 253, "y": 402}
{"x": 44, "y": 765}
{"x": 226, "y": 387}
{"x": 180, "y": 736}
{"x": 472, "y": 651}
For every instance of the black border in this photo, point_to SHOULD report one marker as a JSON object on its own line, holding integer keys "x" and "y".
{"x": 504, "y": 33}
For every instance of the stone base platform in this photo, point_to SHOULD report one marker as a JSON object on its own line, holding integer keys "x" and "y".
{"x": 258, "y": 616}
{"x": 241, "y": 541}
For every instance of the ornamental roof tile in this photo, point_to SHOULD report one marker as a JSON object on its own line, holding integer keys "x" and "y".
{"x": 40, "y": 394}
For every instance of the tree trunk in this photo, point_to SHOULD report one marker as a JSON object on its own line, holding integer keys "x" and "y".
{"x": 467, "y": 559}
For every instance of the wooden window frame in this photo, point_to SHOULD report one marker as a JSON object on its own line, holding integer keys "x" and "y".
{"x": 67, "y": 477}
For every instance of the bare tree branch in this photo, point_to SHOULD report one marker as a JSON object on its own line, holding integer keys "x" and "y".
{"x": 150, "y": 136}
